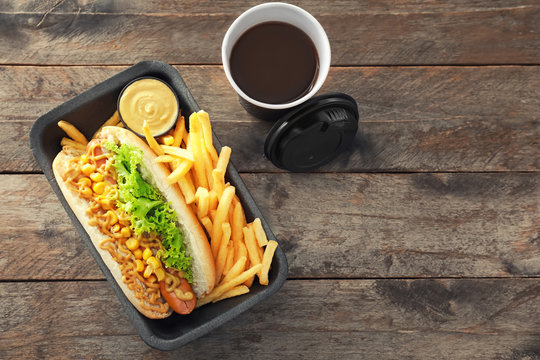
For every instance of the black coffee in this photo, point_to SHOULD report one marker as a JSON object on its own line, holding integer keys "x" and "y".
{"x": 274, "y": 62}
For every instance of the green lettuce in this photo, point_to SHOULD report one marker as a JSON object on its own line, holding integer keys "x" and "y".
{"x": 149, "y": 212}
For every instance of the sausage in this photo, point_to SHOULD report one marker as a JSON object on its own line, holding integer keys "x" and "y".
{"x": 99, "y": 163}
{"x": 180, "y": 306}
{"x": 97, "y": 151}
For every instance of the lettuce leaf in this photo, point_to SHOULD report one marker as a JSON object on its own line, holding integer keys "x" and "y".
{"x": 149, "y": 212}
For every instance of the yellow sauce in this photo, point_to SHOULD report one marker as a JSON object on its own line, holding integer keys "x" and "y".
{"x": 150, "y": 100}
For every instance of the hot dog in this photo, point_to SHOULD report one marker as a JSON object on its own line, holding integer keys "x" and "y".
{"x": 150, "y": 240}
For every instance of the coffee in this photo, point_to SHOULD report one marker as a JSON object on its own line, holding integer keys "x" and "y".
{"x": 274, "y": 63}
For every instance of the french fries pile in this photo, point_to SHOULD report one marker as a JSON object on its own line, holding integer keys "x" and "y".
{"x": 241, "y": 250}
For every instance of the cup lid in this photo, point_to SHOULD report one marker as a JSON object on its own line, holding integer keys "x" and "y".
{"x": 313, "y": 134}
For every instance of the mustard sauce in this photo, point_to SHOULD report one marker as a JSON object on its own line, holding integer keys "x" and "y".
{"x": 148, "y": 100}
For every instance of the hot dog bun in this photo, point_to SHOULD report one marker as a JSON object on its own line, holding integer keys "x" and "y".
{"x": 194, "y": 237}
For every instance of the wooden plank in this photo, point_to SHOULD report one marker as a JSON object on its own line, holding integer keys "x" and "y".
{"x": 37, "y": 234}
{"x": 411, "y": 119}
{"x": 367, "y": 33}
{"x": 329, "y": 225}
{"x": 354, "y": 319}
{"x": 344, "y": 225}
{"x": 195, "y": 7}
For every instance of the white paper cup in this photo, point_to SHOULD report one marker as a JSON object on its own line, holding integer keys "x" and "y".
{"x": 282, "y": 12}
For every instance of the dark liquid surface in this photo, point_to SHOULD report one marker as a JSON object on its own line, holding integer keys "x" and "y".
{"x": 274, "y": 63}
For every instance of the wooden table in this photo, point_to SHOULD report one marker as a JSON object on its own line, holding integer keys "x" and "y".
{"x": 423, "y": 241}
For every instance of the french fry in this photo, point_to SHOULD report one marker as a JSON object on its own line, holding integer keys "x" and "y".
{"x": 223, "y": 160}
{"x": 151, "y": 140}
{"x": 179, "y": 131}
{"x": 236, "y": 269}
{"x": 207, "y": 135}
{"x": 187, "y": 188}
{"x": 236, "y": 291}
{"x": 166, "y": 140}
{"x": 208, "y": 166}
{"x": 249, "y": 282}
{"x": 235, "y": 200}
{"x": 180, "y": 170}
{"x": 176, "y": 151}
{"x": 260, "y": 250}
{"x": 218, "y": 182}
{"x": 231, "y": 211}
{"x": 221, "y": 213}
{"x": 222, "y": 252}
{"x": 205, "y": 126}
{"x": 207, "y": 223}
{"x": 201, "y": 199}
{"x": 260, "y": 234}
{"x": 239, "y": 216}
{"x": 251, "y": 245}
{"x": 229, "y": 262}
{"x": 241, "y": 250}
{"x": 212, "y": 200}
{"x": 212, "y": 213}
{"x": 237, "y": 224}
{"x": 166, "y": 158}
{"x": 185, "y": 139}
{"x": 68, "y": 142}
{"x": 72, "y": 132}
{"x": 266, "y": 261}
{"x": 226, "y": 286}
{"x": 114, "y": 120}
{"x": 198, "y": 157}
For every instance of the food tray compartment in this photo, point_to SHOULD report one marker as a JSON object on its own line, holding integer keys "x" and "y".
{"x": 87, "y": 112}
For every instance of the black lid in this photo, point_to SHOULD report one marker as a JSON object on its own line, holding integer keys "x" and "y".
{"x": 313, "y": 133}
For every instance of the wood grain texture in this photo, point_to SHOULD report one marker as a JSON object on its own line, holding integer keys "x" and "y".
{"x": 411, "y": 118}
{"x": 194, "y": 7}
{"x": 329, "y": 225}
{"x": 358, "y": 225}
{"x": 368, "y": 319}
{"x": 361, "y": 33}
{"x": 422, "y": 241}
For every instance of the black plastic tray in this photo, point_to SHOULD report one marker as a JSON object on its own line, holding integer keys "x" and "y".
{"x": 87, "y": 112}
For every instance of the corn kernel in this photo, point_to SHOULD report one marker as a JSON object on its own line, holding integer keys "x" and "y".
{"x": 86, "y": 191}
{"x": 152, "y": 278}
{"x": 132, "y": 244}
{"x": 87, "y": 169}
{"x": 139, "y": 265}
{"x": 106, "y": 203}
{"x": 160, "y": 274}
{"x": 125, "y": 232}
{"x": 153, "y": 262}
{"x": 137, "y": 253}
{"x": 84, "y": 158}
{"x": 99, "y": 187}
{"x": 112, "y": 215}
{"x": 84, "y": 181}
{"x": 147, "y": 272}
{"x": 146, "y": 253}
{"x": 115, "y": 228}
{"x": 97, "y": 177}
